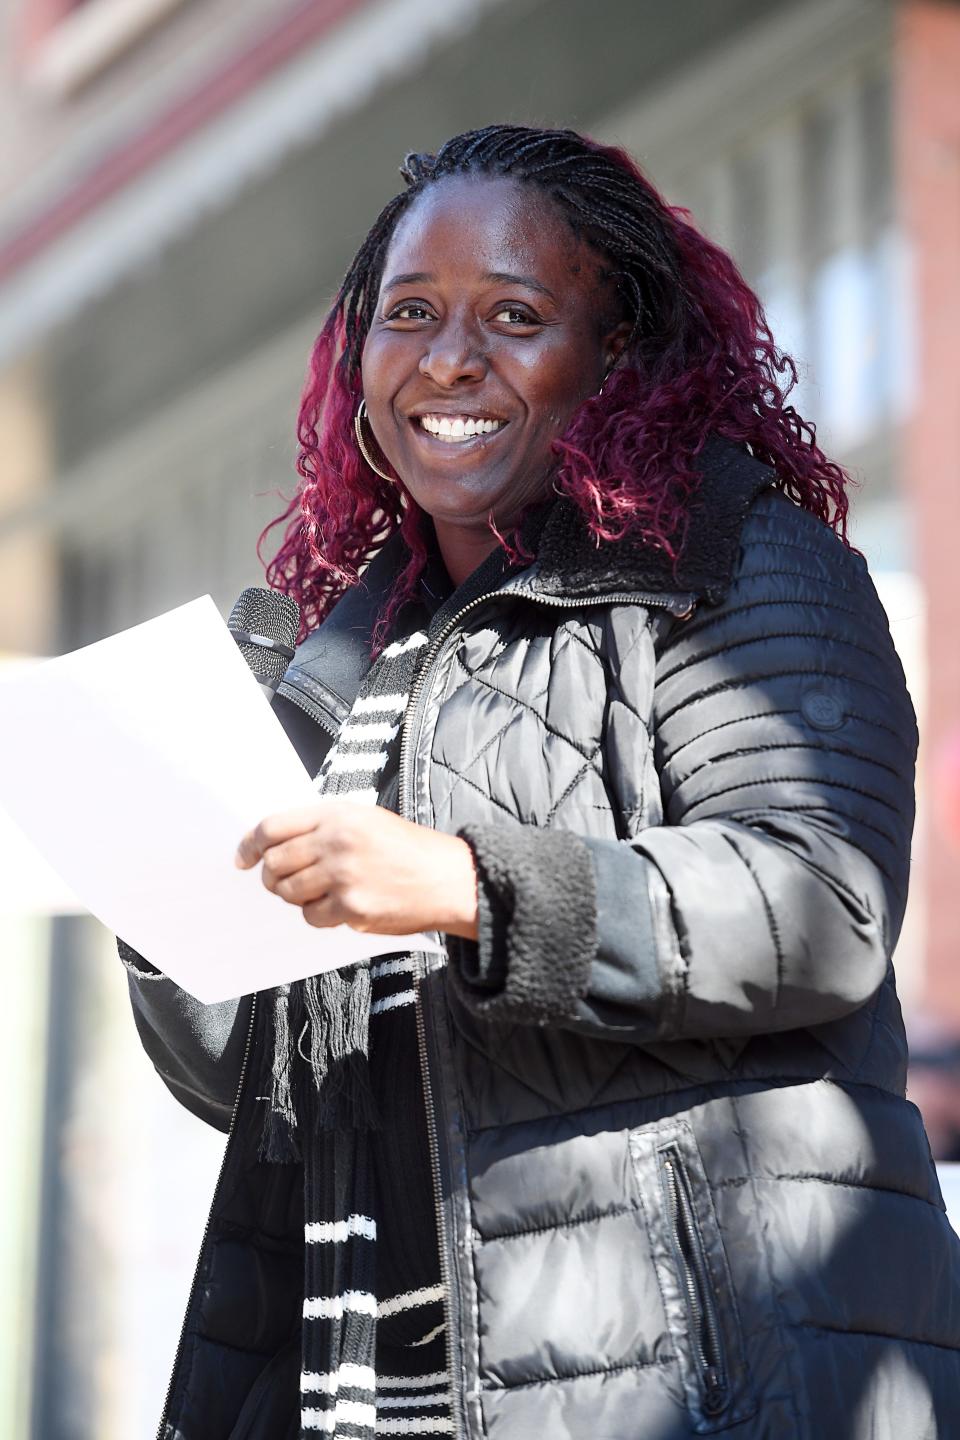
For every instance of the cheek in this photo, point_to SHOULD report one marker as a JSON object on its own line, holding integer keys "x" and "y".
{"x": 383, "y": 371}
{"x": 383, "y": 366}
{"x": 371, "y": 371}
{"x": 554, "y": 384}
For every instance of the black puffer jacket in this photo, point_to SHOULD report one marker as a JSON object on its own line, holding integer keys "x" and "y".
{"x": 680, "y": 1189}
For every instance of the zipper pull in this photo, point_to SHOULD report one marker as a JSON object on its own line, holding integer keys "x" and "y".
{"x": 715, "y": 1395}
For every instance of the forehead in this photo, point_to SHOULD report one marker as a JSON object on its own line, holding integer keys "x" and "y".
{"x": 469, "y": 226}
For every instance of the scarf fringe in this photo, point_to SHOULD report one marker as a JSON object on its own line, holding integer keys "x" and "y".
{"x": 338, "y": 1009}
{"x": 320, "y": 1031}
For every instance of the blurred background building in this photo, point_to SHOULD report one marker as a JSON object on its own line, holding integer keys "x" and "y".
{"x": 181, "y": 185}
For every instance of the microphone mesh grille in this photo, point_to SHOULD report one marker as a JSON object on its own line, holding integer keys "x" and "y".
{"x": 265, "y": 612}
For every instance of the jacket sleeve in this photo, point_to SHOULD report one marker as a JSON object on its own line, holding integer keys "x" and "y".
{"x": 772, "y": 895}
{"x": 197, "y": 1050}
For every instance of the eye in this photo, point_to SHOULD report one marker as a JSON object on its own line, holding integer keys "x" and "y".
{"x": 410, "y": 310}
{"x": 515, "y": 315}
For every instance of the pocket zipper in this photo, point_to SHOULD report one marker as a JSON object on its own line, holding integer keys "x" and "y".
{"x": 701, "y": 1303}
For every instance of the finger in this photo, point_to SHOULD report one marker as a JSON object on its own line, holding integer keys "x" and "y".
{"x": 289, "y": 857}
{"x": 272, "y": 831}
{"x": 322, "y": 913}
{"x": 304, "y": 886}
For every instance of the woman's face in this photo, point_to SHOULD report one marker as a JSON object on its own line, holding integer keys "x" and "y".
{"x": 493, "y": 324}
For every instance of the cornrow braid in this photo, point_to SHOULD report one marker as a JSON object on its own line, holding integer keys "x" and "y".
{"x": 699, "y": 359}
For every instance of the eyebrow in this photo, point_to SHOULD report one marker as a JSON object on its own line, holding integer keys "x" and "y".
{"x": 499, "y": 277}
{"x": 414, "y": 277}
{"x": 503, "y": 277}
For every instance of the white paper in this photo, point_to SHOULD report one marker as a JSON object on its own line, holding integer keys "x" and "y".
{"x": 30, "y": 886}
{"x": 135, "y": 765}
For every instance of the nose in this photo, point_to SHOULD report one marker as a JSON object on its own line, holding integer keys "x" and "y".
{"x": 454, "y": 354}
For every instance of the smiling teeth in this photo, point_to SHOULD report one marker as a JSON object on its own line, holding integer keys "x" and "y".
{"x": 459, "y": 427}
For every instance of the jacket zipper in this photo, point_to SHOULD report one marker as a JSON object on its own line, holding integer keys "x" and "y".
{"x": 206, "y": 1229}
{"x": 701, "y": 1304}
{"x": 434, "y": 1147}
{"x": 679, "y": 605}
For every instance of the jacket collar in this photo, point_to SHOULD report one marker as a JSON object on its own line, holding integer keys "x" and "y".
{"x": 569, "y": 563}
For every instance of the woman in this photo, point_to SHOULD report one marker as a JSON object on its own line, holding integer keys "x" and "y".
{"x": 635, "y": 1161}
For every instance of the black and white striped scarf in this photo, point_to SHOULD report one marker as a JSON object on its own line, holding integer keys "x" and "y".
{"x": 322, "y": 1110}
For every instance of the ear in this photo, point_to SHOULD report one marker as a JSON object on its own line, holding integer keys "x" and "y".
{"x": 613, "y": 344}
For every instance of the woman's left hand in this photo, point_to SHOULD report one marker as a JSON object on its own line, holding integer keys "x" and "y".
{"x": 344, "y": 863}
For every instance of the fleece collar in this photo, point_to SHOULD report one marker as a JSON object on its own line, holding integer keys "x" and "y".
{"x": 569, "y": 563}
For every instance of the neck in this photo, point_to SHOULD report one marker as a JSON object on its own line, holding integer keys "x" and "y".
{"x": 463, "y": 548}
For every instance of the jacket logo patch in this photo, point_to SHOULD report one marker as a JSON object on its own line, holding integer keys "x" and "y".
{"x": 822, "y": 711}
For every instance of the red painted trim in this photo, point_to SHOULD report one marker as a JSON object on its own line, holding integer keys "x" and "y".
{"x": 191, "y": 112}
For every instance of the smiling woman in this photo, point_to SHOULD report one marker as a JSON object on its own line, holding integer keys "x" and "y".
{"x": 594, "y": 689}
{"x": 513, "y": 333}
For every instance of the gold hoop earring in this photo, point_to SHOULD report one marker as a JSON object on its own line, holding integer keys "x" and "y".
{"x": 358, "y": 420}
{"x": 606, "y": 378}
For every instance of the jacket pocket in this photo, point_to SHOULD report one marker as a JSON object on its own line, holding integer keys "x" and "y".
{"x": 694, "y": 1275}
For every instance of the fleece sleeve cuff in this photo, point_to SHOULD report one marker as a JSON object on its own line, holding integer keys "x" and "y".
{"x": 537, "y": 915}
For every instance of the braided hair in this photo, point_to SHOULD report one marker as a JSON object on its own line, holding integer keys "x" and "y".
{"x": 700, "y": 359}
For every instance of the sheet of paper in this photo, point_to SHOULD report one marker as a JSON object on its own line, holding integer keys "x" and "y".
{"x": 29, "y": 885}
{"x": 134, "y": 766}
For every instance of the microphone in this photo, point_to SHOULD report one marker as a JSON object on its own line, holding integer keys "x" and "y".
{"x": 264, "y": 624}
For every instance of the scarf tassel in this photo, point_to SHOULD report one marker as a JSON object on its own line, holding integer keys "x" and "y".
{"x": 320, "y": 1028}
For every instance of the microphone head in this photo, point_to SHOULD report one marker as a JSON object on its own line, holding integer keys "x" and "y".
{"x": 264, "y": 624}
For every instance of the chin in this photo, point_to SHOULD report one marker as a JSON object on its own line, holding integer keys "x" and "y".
{"x": 453, "y": 513}
{"x": 456, "y": 497}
